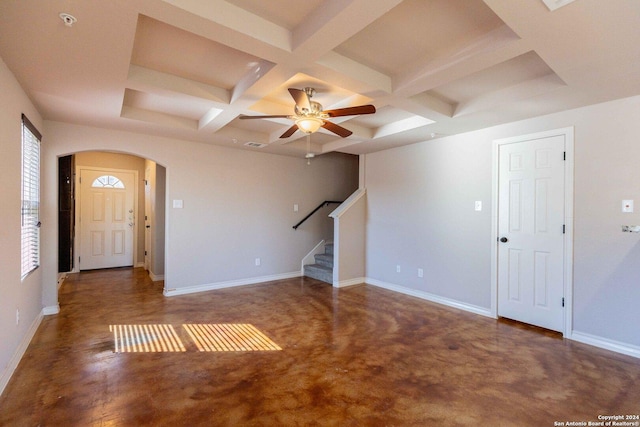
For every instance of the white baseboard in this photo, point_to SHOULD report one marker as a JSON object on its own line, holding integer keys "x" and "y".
{"x": 17, "y": 356}
{"x": 431, "y": 297}
{"x": 61, "y": 278}
{"x": 605, "y": 343}
{"x": 228, "y": 284}
{"x": 155, "y": 277}
{"x": 349, "y": 282}
{"x": 51, "y": 309}
{"x": 596, "y": 341}
{"x": 139, "y": 264}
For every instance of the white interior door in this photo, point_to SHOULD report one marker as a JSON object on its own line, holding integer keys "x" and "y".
{"x": 107, "y": 218}
{"x": 531, "y": 192}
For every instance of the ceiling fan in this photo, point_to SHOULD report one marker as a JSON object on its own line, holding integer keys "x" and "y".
{"x": 309, "y": 115}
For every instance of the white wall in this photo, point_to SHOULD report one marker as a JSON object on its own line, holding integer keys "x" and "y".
{"x": 15, "y": 294}
{"x": 238, "y": 204}
{"x": 421, "y": 215}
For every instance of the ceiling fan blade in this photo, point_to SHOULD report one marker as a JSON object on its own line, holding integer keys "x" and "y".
{"x": 338, "y": 130}
{"x": 351, "y": 111}
{"x": 289, "y": 131}
{"x": 279, "y": 116}
{"x": 301, "y": 98}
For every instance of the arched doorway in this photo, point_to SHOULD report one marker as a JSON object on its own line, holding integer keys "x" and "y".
{"x": 145, "y": 219}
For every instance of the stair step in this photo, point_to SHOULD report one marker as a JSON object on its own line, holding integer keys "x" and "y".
{"x": 325, "y": 259}
{"x": 319, "y": 272}
{"x": 328, "y": 248}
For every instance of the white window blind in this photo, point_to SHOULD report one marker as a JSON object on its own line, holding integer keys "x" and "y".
{"x": 30, "y": 197}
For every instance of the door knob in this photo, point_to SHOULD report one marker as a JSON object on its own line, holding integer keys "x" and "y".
{"x": 504, "y": 239}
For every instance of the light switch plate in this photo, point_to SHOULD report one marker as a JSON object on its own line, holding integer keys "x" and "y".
{"x": 627, "y": 206}
{"x": 177, "y": 204}
{"x": 478, "y": 205}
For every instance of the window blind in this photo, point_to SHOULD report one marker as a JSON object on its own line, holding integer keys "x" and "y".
{"x": 30, "y": 197}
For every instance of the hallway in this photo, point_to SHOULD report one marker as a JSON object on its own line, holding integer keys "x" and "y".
{"x": 353, "y": 356}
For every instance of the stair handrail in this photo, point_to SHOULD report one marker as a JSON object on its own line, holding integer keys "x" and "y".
{"x": 320, "y": 206}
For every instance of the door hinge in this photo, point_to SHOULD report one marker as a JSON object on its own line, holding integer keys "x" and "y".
{"x": 79, "y": 260}
{"x": 563, "y": 302}
{"x": 563, "y": 228}
{"x": 564, "y": 155}
{"x": 145, "y": 252}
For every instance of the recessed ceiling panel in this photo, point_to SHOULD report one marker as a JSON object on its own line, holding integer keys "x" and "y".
{"x": 424, "y": 29}
{"x": 285, "y": 13}
{"x": 383, "y": 116}
{"x": 162, "y": 47}
{"x": 186, "y": 107}
{"x": 521, "y": 69}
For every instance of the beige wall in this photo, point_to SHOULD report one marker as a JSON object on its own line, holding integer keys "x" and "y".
{"x": 25, "y": 295}
{"x": 237, "y": 204}
{"x": 421, "y": 215}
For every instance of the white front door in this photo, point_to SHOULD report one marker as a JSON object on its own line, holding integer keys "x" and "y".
{"x": 531, "y": 192}
{"x": 107, "y": 218}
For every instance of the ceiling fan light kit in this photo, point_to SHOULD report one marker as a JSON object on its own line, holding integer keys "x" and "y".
{"x": 309, "y": 124}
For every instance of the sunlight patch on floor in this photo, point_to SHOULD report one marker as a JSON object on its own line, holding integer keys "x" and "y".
{"x": 229, "y": 337}
{"x": 145, "y": 339}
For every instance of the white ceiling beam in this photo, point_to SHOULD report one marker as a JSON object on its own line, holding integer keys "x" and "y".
{"x": 401, "y": 126}
{"x": 334, "y": 22}
{"x": 237, "y": 19}
{"x": 250, "y": 78}
{"x": 427, "y": 106}
{"x": 209, "y": 117}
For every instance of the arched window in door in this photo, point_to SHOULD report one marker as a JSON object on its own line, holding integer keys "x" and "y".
{"x": 107, "y": 181}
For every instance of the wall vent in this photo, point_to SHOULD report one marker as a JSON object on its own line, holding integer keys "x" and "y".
{"x": 254, "y": 144}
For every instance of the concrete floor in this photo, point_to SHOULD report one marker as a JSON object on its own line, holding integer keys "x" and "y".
{"x": 358, "y": 356}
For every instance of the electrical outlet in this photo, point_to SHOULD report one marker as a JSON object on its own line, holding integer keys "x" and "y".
{"x": 420, "y": 272}
{"x": 295, "y": 207}
{"x": 478, "y": 205}
{"x": 257, "y": 262}
{"x": 398, "y": 268}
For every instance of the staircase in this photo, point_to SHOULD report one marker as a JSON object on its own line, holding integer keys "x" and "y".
{"x": 323, "y": 268}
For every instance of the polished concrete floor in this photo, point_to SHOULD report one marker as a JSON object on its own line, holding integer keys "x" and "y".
{"x": 358, "y": 356}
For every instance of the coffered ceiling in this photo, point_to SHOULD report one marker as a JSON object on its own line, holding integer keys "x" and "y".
{"x": 187, "y": 68}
